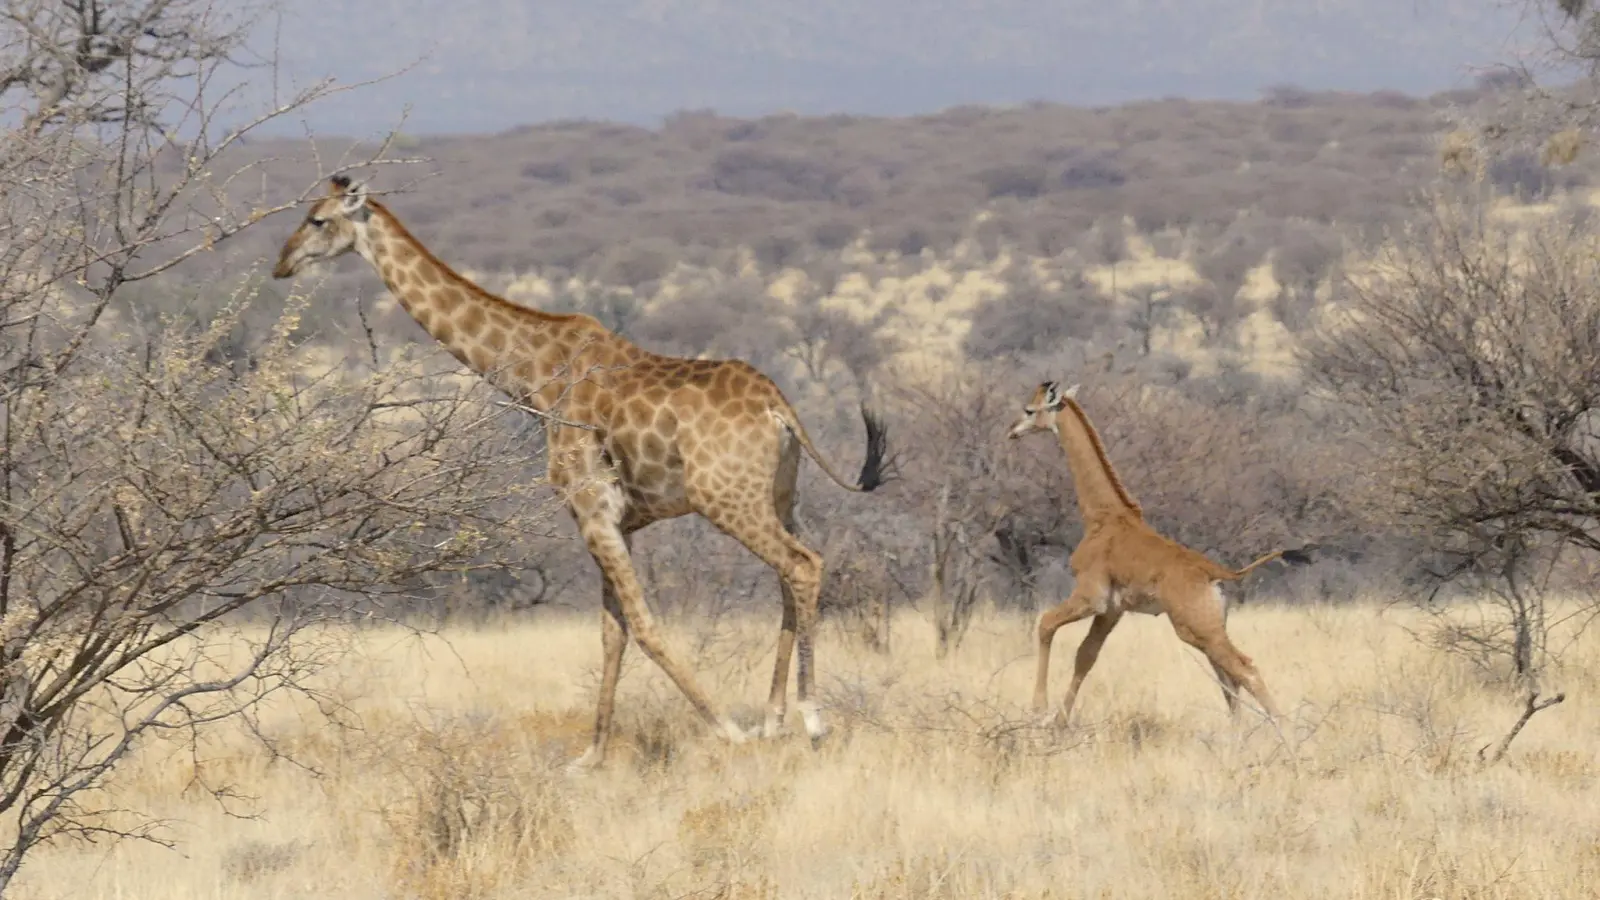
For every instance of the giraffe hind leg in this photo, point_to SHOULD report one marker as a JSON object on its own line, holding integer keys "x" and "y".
{"x": 1230, "y": 687}
{"x": 1200, "y": 624}
{"x": 762, "y": 532}
{"x": 783, "y": 497}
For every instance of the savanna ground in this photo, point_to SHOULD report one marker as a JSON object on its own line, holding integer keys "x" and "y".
{"x": 445, "y": 780}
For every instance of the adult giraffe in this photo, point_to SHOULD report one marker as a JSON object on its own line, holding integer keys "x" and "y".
{"x": 667, "y": 437}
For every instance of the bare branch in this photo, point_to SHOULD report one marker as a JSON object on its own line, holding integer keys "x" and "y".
{"x": 1531, "y": 705}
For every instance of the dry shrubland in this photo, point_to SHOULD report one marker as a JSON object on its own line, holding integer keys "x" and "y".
{"x": 446, "y": 781}
{"x": 175, "y": 513}
{"x": 296, "y": 601}
{"x": 620, "y": 203}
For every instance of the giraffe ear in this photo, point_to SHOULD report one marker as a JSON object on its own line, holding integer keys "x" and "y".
{"x": 354, "y": 199}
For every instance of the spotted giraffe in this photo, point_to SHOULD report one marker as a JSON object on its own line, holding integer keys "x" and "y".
{"x": 665, "y": 437}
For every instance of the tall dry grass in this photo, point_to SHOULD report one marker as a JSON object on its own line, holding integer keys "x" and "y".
{"x": 445, "y": 780}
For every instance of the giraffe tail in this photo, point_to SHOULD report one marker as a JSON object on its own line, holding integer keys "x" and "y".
{"x": 1226, "y": 574}
{"x": 875, "y": 465}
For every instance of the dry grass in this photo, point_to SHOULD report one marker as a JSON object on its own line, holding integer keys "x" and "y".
{"x": 931, "y": 785}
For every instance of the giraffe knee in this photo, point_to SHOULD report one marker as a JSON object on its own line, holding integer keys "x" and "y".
{"x": 1046, "y": 627}
{"x": 613, "y": 630}
{"x": 604, "y": 544}
{"x": 1228, "y": 658}
{"x": 805, "y": 578}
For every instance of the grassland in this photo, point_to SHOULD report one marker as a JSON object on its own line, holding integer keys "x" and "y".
{"x": 932, "y": 784}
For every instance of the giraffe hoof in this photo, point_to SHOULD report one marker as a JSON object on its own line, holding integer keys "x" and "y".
{"x": 816, "y": 729}
{"x": 583, "y": 765}
{"x": 771, "y": 730}
{"x": 735, "y": 734}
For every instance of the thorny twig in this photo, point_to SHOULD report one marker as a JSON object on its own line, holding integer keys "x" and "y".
{"x": 550, "y": 417}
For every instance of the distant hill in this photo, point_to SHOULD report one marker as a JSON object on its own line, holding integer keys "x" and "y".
{"x": 498, "y": 62}
{"x": 620, "y": 203}
{"x": 1200, "y": 232}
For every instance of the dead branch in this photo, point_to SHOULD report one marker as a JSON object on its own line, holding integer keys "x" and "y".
{"x": 159, "y": 508}
{"x": 1530, "y": 706}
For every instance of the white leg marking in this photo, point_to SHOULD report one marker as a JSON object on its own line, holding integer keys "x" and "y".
{"x": 774, "y": 724}
{"x": 812, "y": 714}
{"x": 1222, "y": 600}
{"x": 584, "y": 764}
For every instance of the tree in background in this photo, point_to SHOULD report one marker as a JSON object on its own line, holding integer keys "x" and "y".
{"x": 1468, "y": 358}
{"x": 1300, "y": 262}
{"x": 1225, "y": 266}
{"x": 1541, "y": 103}
{"x": 172, "y": 526}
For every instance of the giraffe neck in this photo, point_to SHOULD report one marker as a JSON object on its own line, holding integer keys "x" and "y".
{"x": 1100, "y": 492}
{"x": 520, "y": 350}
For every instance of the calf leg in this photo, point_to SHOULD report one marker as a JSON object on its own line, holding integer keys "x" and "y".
{"x": 1085, "y": 599}
{"x": 1088, "y": 652}
{"x": 1199, "y": 623}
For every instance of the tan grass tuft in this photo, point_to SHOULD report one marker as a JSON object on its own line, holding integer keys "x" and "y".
{"x": 934, "y": 783}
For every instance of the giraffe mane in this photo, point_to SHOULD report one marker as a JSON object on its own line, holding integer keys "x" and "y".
{"x": 402, "y": 232}
{"x": 1100, "y": 454}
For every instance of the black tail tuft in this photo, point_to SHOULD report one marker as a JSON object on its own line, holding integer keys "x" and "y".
{"x": 877, "y": 467}
{"x": 1301, "y": 556}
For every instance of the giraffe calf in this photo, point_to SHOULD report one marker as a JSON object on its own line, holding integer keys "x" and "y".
{"x": 1123, "y": 565}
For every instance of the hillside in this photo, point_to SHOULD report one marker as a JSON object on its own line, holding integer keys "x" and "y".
{"x": 1164, "y": 225}
{"x": 584, "y": 196}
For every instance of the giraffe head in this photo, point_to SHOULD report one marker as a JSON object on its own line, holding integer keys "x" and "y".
{"x": 1039, "y": 413}
{"x": 332, "y": 228}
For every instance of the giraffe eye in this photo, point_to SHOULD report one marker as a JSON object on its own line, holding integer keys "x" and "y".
{"x": 317, "y": 221}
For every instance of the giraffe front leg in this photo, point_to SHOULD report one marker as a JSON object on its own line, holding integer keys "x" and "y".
{"x": 606, "y": 544}
{"x": 1079, "y": 604}
{"x": 600, "y": 508}
{"x": 614, "y": 641}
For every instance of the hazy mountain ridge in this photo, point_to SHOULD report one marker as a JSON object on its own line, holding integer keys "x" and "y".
{"x": 495, "y": 63}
